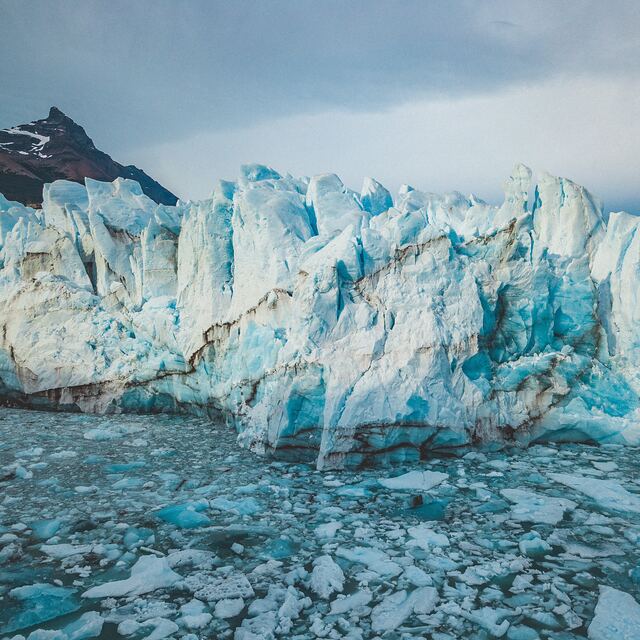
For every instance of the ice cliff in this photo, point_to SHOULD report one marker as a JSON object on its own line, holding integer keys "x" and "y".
{"x": 327, "y": 324}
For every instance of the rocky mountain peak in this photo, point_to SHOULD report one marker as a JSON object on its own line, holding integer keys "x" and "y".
{"x": 57, "y": 148}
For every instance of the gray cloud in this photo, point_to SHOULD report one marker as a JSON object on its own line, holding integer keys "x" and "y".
{"x": 138, "y": 74}
{"x": 582, "y": 128}
{"x": 166, "y": 68}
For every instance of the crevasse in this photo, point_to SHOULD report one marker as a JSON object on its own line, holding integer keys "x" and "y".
{"x": 329, "y": 325}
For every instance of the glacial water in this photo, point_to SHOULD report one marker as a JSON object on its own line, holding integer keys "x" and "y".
{"x": 161, "y": 526}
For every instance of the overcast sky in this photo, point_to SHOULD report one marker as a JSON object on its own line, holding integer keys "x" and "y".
{"x": 441, "y": 95}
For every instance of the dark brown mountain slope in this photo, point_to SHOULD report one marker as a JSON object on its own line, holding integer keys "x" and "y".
{"x": 57, "y": 148}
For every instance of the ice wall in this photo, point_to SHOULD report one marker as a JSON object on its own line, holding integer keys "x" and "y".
{"x": 326, "y": 324}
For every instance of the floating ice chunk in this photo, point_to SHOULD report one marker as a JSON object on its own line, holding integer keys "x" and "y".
{"x": 586, "y": 551}
{"x": 61, "y": 551}
{"x": 88, "y": 625}
{"x": 268, "y": 568}
{"x": 10, "y": 553}
{"x": 199, "y": 558}
{"x": 42, "y": 602}
{"x": 114, "y": 432}
{"x": 375, "y": 559}
{"x": 342, "y": 605}
{"x": 493, "y": 620}
{"x": 63, "y": 455}
{"x": 328, "y": 529}
{"x": 500, "y": 465}
{"x": 45, "y": 529}
{"x": 44, "y": 634}
{"x": 533, "y": 507}
{"x": 417, "y": 576}
{"x": 194, "y": 615}
{"x": 294, "y": 603}
{"x": 617, "y": 616}
{"x": 607, "y": 467}
{"x": 198, "y": 621}
{"x": 262, "y": 627}
{"x": 193, "y": 607}
{"x": 327, "y": 577}
{"x": 391, "y": 612}
{"x": 397, "y": 607}
{"x": 485, "y": 572}
{"x": 415, "y": 481}
{"x": 521, "y": 632}
{"x": 185, "y": 516}
{"x": 163, "y": 628}
{"x": 521, "y": 583}
{"x": 353, "y": 492}
{"x": 608, "y": 494}
{"x": 33, "y": 452}
{"x": 148, "y": 574}
{"x": 243, "y": 507}
{"x": 85, "y": 489}
{"x": 230, "y": 587}
{"x": 281, "y": 547}
{"x": 128, "y": 483}
{"x": 545, "y": 619}
{"x": 124, "y": 467}
{"x": 22, "y": 473}
{"x": 270, "y": 602}
{"x": 424, "y": 536}
{"x": 128, "y": 627}
{"x": 532, "y": 545}
{"x": 228, "y": 608}
{"x": 137, "y": 536}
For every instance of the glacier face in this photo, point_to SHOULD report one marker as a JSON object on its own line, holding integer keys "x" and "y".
{"x": 327, "y": 324}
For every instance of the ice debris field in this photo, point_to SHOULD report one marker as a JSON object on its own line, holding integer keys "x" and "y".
{"x": 161, "y": 527}
{"x": 327, "y": 325}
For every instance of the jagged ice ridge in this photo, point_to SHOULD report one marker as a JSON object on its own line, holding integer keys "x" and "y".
{"x": 325, "y": 324}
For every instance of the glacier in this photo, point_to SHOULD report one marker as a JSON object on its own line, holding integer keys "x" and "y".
{"x": 327, "y": 325}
